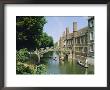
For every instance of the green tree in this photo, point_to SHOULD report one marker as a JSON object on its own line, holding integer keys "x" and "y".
{"x": 46, "y": 41}
{"x": 29, "y": 30}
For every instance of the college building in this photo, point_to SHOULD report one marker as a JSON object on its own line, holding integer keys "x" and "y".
{"x": 79, "y": 42}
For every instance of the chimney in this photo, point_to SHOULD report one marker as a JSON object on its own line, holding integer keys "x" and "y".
{"x": 67, "y": 30}
{"x": 75, "y": 26}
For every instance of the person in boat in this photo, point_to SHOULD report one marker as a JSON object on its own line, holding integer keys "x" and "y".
{"x": 55, "y": 59}
{"x": 78, "y": 61}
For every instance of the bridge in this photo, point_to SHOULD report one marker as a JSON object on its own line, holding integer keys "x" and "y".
{"x": 63, "y": 52}
{"x": 42, "y": 51}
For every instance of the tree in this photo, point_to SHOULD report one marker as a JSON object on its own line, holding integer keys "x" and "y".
{"x": 46, "y": 41}
{"x": 29, "y": 30}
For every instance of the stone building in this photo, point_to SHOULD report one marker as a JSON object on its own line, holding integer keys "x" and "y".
{"x": 79, "y": 42}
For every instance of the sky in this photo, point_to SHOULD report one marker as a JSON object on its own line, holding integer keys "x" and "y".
{"x": 56, "y": 25}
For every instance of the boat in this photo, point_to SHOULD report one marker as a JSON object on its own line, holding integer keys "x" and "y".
{"x": 82, "y": 64}
{"x": 55, "y": 58}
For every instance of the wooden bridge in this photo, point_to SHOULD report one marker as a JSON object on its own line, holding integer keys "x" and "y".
{"x": 42, "y": 51}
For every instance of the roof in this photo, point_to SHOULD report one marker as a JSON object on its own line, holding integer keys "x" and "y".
{"x": 81, "y": 32}
{"x": 70, "y": 36}
{"x": 78, "y": 33}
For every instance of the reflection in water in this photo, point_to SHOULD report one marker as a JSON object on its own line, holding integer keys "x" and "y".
{"x": 56, "y": 66}
{"x": 86, "y": 71}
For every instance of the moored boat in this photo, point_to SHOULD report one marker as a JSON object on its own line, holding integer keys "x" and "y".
{"x": 82, "y": 64}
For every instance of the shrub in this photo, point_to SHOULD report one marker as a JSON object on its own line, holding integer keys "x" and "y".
{"x": 41, "y": 69}
{"x": 22, "y": 55}
{"x": 22, "y": 68}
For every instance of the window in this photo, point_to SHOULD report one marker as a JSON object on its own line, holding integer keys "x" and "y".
{"x": 91, "y": 48}
{"x": 91, "y": 36}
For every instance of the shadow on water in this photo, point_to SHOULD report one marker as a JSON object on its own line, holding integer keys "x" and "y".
{"x": 56, "y": 66}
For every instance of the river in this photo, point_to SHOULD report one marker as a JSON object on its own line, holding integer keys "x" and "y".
{"x": 56, "y": 66}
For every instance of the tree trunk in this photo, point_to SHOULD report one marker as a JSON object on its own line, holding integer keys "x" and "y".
{"x": 38, "y": 58}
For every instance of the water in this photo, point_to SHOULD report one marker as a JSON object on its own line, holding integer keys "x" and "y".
{"x": 56, "y": 66}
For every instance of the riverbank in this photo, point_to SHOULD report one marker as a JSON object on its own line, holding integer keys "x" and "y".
{"x": 49, "y": 64}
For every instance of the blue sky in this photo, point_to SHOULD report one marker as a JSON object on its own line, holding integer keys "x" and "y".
{"x": 56, "y": 25}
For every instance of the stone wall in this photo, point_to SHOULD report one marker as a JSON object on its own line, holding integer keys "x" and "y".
{"x": 79, "y": 42}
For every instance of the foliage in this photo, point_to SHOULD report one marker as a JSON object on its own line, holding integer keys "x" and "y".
{"x": 41, "y": 69}
{"x": 22, "y": 68}
{"x": 29, "y": 30}
{"x": 46, "y": 41}
{"x": 56, "y": 45}
{"x": 22, "y": 55}
{"x": 29, "y": 36}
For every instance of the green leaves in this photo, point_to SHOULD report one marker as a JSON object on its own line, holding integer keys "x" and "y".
{"x": 29, "y": 33}
{"x": 46, "y": 41}
{"x": 22, "y": 55}
{"x": 41, "y": 69}
{"x": 22, "y": 68}
{"x": 28, "y": 29}
{"x": 29, "y": 36}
